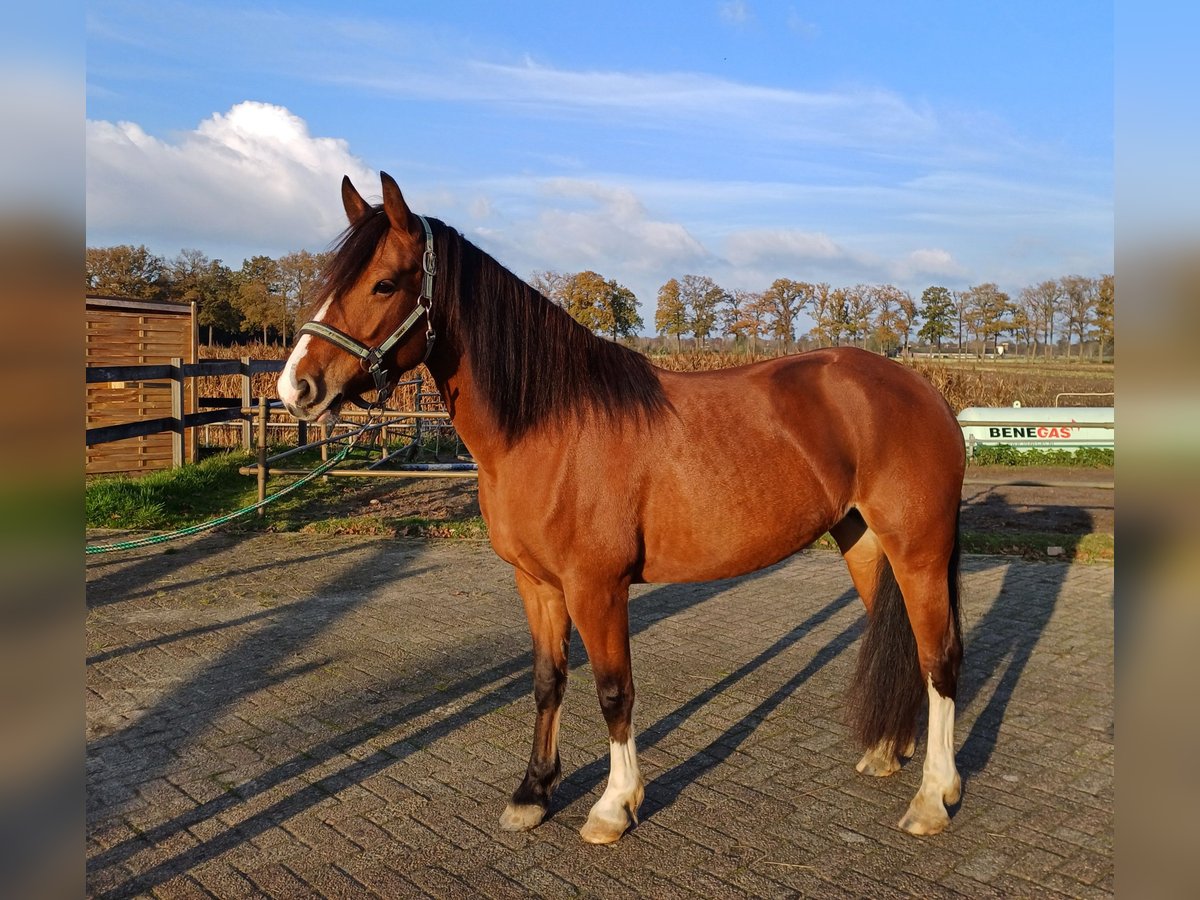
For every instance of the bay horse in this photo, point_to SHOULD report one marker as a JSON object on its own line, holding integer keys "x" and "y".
{"x": 598, "y": 470}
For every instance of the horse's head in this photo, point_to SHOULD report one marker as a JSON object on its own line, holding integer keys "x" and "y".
{"x": 373, "y": 323}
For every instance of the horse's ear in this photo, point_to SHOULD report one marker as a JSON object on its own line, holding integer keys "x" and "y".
{"x": 397, "y": 210}
{"x": 356, "y": 206}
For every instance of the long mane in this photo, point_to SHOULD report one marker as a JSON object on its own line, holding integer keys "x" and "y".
{"x": 532, "y": 363}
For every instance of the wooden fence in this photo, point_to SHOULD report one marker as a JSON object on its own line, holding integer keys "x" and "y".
{"x": 210, "y": 410}
{"x": 120, "y": 332}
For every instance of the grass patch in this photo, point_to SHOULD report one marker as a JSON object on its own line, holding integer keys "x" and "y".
{"x": 1086, "y": 548}
{"x": 1004, "y": 455}
{"x": 195, "y": 493}
{"x": 408, "y": 526}
{"x": 169, "y": 498}
{"x": 174, "y": 498}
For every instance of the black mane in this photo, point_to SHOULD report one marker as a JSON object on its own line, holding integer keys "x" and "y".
{"x": 533, "y": 364}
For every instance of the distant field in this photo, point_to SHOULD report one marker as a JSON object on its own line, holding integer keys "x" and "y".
{"x": 968, "y": 382}
{"x": 991, "y": 382}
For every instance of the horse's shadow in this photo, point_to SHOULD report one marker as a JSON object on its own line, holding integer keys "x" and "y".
{"x": 119, "y": 579}
{"x": 667, "y": 786}
{"x": 1001, "y": 642}
{"x": 997, "y": 648}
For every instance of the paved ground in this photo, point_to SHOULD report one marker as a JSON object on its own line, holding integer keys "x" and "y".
{"x": 289, "y": 716}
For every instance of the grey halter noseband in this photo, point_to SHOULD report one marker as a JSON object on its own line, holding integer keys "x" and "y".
{"x": 371, "y": 358}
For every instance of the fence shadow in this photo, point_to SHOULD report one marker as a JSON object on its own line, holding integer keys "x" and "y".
{"x": 141, "y": 751}
{"x": 500, "y": 685}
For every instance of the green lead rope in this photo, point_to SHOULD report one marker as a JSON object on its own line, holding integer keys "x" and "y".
{"x": 214, "y": 523}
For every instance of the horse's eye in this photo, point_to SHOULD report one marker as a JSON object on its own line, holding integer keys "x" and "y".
{"x": 384, "y": 287}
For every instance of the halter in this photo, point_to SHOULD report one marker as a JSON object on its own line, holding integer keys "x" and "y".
{"x": 371, "y": 358}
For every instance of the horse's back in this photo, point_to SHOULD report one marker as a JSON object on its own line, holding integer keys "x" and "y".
{"x": 838, "y": 403}
{"x": 756, "y": 462}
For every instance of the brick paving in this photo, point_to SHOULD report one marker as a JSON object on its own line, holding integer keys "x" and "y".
{"x": 294, "y": 716}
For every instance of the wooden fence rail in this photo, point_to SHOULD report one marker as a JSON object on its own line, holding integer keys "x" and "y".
{"x": 218, "y": 409}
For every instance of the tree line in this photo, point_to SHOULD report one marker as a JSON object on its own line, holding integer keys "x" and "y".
{"x": 1057, "y": 315}
{"x": 265, "y": 296}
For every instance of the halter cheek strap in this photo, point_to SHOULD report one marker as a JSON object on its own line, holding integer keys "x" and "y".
{"x": 371, "y": 358}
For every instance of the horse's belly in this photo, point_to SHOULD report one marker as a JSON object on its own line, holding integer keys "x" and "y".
{"x": 726, "y": 544}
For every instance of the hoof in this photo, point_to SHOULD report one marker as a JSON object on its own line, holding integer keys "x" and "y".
{"x": 521, "y": 817}
{"x": 879, "y": 763}
{"x": 600, "y": 831}
{"x": 600, "y": 828}
{"x": 925, "y": 815}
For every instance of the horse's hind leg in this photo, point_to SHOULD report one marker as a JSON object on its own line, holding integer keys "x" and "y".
{"x": 931, "y": 599}
{"x": 550, "y": 626}
{"x": 864, "y": 558}
{"x": 601, "y": 614}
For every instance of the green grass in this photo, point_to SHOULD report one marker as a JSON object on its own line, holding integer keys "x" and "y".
{"x": 174, "y": 498}
{"x": 169, "y": 498}
{"x": 408, "y": 526}
{"x": 1089, "y": 548}
{"x": 1004, "y": 455}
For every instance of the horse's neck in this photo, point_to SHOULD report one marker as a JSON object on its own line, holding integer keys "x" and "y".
{"x": 471, "y": 417}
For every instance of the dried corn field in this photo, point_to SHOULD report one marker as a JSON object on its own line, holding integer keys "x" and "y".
{"x": 964, "y": 383}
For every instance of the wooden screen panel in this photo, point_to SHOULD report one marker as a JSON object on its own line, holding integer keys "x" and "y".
{"x": 134, "y": 337}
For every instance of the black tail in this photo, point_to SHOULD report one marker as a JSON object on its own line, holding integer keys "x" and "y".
{"x": 887, "y": 690}
{"x": 888, "y": 687}
{"x": 947, "y": 685}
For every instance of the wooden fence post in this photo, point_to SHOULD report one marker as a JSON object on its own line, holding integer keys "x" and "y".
{"x": 247, "y": 399}
{"x": 177, "y": 412}
{"x": 262, "y": 454}
{"x": 193, "y": 394}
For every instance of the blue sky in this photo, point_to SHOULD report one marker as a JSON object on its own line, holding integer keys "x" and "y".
{"x": 916, "y": 143}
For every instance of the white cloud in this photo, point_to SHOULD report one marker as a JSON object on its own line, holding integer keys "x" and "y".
{"x": 929, "y": 261}
{"x": 757, "y": 247}
{"x": 801, "y": 26}
{"x": 253, "y": 176}
{"x": 573, "y": 225}
{"x": 736, "y": 12}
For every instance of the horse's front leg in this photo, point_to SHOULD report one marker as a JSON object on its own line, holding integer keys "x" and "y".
{"x": 550, "y": 626}
{"x": 602, "y": 617}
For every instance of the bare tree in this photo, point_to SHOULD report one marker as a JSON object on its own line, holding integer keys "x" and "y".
{"x": 701, "y": 296}
{"x": 1044, "y": 305}
{"x": 860, "y": 306}
{"x": 986, "y": 309}
{"x": 1079, "y": 304}
{"x": 1106, "y": 297}
{"x": 551, "y": 285}
{"x": 891, "y": 328}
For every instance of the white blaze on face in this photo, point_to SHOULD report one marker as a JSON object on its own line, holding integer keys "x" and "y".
{"x": 288, "y": 386}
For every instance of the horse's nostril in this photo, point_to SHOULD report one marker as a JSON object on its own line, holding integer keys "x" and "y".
{"x": 306, "y": 388}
